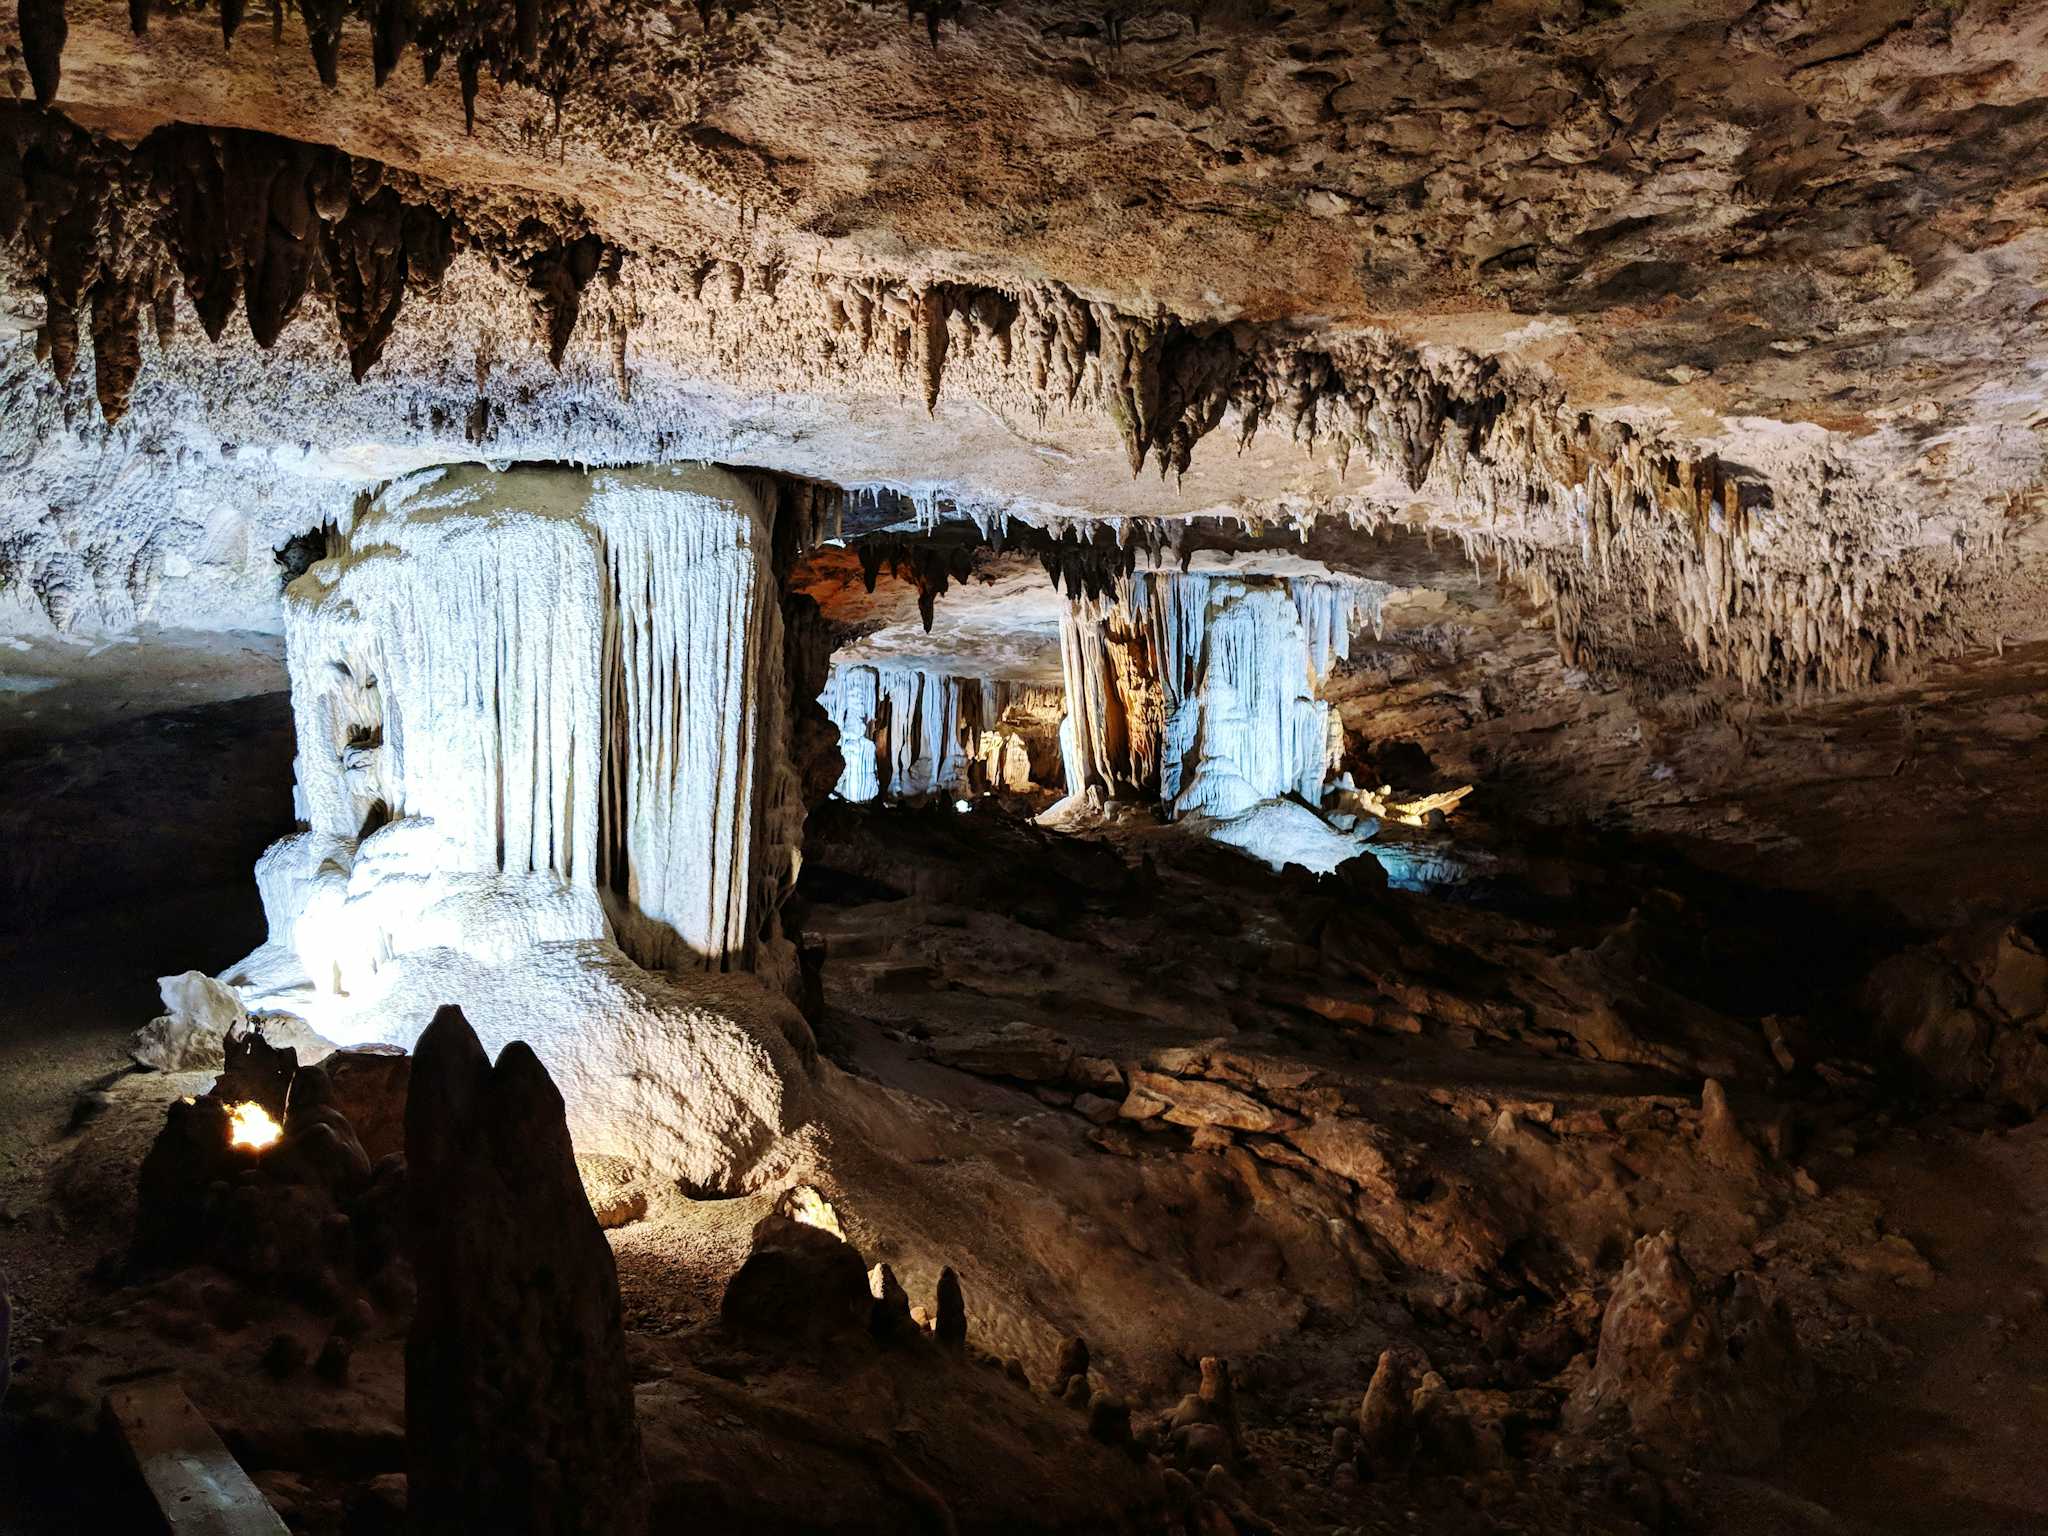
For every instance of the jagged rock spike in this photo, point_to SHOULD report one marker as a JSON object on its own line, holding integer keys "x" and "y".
{"x": 466, "y": 64}
{"x": 951, "y": 1322}
{"x": 519, "y": 1405}
{"x": 43, "y": 31}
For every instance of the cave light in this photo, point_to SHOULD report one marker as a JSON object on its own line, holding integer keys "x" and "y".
{"x": 250, "y": 1125}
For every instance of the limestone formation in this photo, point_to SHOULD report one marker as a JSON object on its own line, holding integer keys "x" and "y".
{"x": 1267, "y": 677}
{"x": 906, "y": 731}
{"x": 536, "y": 772}
{"x": 1970, "y": 1011}
{"x": 519, "y": 1409}
{"x": 1717, "y": 1380}
{"x": 799, "y": 1284}
{"x": 1071, "y": 1363}
{"x": 949, "y": 1320}
{"x": 1383, "y": 1415}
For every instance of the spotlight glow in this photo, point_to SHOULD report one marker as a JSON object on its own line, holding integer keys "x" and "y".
{"x": 250, "y": 1125}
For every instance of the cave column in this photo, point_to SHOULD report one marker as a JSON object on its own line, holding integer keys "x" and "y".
{"x": 544, "y": 704}
{"x": 1200, "y": 688}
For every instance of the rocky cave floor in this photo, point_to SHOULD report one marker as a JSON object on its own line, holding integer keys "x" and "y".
{"x": 1134, "y": 1087}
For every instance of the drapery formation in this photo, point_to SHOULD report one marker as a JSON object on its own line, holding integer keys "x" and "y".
{"x": 1198, "y": 688}
{"x": 908, "y": 730}
{"x": 545, "y": 692}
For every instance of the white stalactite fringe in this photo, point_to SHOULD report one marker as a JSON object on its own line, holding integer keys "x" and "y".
{"x": 1154, "y": 694}
{"x": 543, "y": 736}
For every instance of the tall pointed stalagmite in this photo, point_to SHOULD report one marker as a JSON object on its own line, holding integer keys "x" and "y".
{"x": 519, "y": 1411}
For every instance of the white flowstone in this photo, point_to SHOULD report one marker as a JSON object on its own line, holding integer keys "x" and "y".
{"x": 1200, "y": 687}
{"x": 917, "y": 730}
{"x": 557, "y": 675}
{"x": 1259, "y": 732}
{"x": 542, "y": 742}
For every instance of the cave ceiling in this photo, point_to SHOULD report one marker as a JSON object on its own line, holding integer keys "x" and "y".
{"x": 1709, "y": 317}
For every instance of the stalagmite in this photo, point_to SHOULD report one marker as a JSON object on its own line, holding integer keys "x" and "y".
{"x": 519, "y": 1404}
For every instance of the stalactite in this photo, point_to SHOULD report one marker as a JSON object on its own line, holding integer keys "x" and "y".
{"x": 43, "y": 31}
{"x": 467, "y": 64}
{"x": 391, "y": 30}
{"x": 929, "y": 565}
{"x": 1614, "y": 527}
{"x": 934, "y": 307}
{"x": 374, "y": 252}
{"x": 323, "y": 37}
{"x": 557, "y": 278}
{"x": 116, "y": 344}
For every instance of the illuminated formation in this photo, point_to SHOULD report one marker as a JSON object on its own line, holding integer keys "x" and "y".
{"x": 1200, "y": 688}
{"x": 542, "y": 767}
{"x": 907, "y": 730}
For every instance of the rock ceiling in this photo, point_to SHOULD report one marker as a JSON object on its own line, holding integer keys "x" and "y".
{"x": 1712, "y": 320}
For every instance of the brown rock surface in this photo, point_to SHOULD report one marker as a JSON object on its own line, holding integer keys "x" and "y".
{"x": 1713, "y": 1380}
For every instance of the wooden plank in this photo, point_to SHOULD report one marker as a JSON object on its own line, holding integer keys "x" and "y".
{"x": 199, "y": 1487}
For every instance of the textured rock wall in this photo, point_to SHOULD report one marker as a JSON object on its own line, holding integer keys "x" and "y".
{"x": 1785, "y": 557}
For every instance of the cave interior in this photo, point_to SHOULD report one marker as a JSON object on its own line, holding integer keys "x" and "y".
{"x": 1209, "y": 769}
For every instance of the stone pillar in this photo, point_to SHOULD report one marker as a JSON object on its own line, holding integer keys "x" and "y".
{"x": 543, "y": 764}
{"x": 569, "y": 685}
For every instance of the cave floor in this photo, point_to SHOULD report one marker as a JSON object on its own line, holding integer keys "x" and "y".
{"x": 1948, "y": 1439}
{"x": 71, "y": 996}
{"x": 1913, "y": 1250}
{"x": 1915, "y": 1256}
